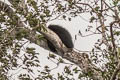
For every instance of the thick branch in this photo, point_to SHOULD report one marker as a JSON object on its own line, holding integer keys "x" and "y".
{"x": 83, "y": 61}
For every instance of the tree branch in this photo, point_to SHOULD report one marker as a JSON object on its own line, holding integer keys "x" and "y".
{"x": 116, "y": 71}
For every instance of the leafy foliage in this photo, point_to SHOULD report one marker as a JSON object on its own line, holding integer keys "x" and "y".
{"x": 14, "y": 54}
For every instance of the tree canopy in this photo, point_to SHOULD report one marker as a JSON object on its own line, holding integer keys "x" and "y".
{"x": 25, "y": 21}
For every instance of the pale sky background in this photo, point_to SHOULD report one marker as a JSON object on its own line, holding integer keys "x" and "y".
{"x": 82, "y": 43}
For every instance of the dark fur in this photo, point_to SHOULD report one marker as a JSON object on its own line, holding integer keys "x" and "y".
{"x": 64, "y": 36}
